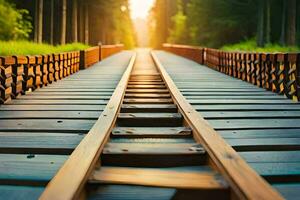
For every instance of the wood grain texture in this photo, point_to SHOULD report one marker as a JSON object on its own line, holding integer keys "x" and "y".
{"x": 241, "y": 177}
{"x": 157, "y": 178}
{"x": 67, "y": 186}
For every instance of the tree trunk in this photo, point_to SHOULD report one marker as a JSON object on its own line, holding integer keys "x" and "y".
{"x": 81, "y": 23}
{"x": 283, "y": 23}
{"x": 86, "y": 25}
{"x": 52, "y": 22}
{"x": 63, "y": 22}
{"x": 74, "y": 21}
{"x": 268, "y": 21}
{"x": 291, "y": 23}
{"x": 40, "y": 22}
{"x": 261, "y": 24}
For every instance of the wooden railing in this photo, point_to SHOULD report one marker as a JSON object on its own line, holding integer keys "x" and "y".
{"x": 277, "y": 72}
{"x": 190, "y": 52}
{"x": 19, "y": 74}
{"x": 95, "y": 54}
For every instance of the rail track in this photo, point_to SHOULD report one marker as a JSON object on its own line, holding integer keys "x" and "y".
{"x": 149, "y": 143}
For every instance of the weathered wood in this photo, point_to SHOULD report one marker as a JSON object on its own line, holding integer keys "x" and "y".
{"x": 64, "y": 185}
{"x": 240, "y": 176}
{"x": 20, "y": 192}
{"x": 119, "y": 192}
{"x": 37, "y": 169}
{"x": 153, "y": 155}
{"x": 136, "y": 108}
{"x": 65, "y": 125}
{"x": 156, "y": 177}
{"x": 138, "y": 132}
{"x": 150, "y": 119}
{"x": 147, "y": 101}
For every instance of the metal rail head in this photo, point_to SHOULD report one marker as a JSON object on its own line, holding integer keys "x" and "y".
{"x": 244, "y": 181}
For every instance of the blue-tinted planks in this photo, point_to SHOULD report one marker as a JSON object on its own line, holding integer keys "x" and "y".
{"x": 262, "y": 125}
{"x": 39, "y": 130}
{"x": 14, "y": 192}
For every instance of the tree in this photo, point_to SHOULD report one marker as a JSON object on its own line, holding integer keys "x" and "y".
{"x": 14, "y": 23}
{"x": 291, "y": 23}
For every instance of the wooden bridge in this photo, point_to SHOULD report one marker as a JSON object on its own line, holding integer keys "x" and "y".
{"x": 150, "y": 125}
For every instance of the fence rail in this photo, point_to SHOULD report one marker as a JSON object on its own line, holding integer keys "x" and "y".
{"x": 19, "y": 74}
{"x": 277, "y": 72}
{"x": 95, "y": 54}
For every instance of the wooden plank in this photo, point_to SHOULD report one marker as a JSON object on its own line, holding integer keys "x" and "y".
{"x": 70, "y": 93}
{"x": 152, "y": 91}
{"x": 147, "y": 96}
{"x": 135, "y": 108}
{"x": 246, "y": 107}
{"x": 265, "y": 144}
{"x": 251, "y": 114}
{"x": 38, "y": 143}
{"x": 14, "y": 192}
{"x": 233, "y": 97}
{"x": 240, "y": 102}
{"x": 149, "y": 119}
{"x": 146, "y": 87}
{"x": 153, "y": 132}
{"x": 231, "y": 124}
{"x": 67, "y": 186}
{"x": 147, "y": 101}
{"x": 157, "y": 178}
{"x": 73, "y": 107}
{"x": 53, "y": 97}
{"x": 289, "y": 191}
{"x": 153, "y": 154}
{"x": 58, "y": 102}
{"x": 35, "y": 168}
{"x": 64, "y": 125}
{"x": 275, "y": 156}
{"x": 121, "y": 192}
{"x": 93, "y": 115}
{"x": 242, "y": 178}
{"x": 261, "y": 133}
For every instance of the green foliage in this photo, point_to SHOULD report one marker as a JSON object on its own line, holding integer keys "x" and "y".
{"x": 179, "y": 32}
{"x": 14, "y": 24}
{"x": 214, "y": 23}
{"x": 251, "y": 46}
{"x": 30, "y": 48}
{"x": 113, "y": 22}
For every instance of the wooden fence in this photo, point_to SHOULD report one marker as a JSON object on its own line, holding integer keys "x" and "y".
{"x": 93, "y": 55}
{"x": 19, "y": 74}
{"x": 277, "y": 72}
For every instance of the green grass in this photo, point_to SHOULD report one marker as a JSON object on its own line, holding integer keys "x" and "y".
{"x": 251, "y": 46}
{"x": 31, "y": 48}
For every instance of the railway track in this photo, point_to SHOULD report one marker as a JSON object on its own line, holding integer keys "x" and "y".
{"x": 149, "y": 143}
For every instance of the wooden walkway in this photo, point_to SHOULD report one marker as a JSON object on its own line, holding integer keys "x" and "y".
{"x": 262, "y": 126}
{"x": 39, "y": 130}
{"x": 144, "y": 140}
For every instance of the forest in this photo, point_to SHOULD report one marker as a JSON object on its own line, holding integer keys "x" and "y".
{"x": 219, "y": 23}
{"x": 108, "y": 22}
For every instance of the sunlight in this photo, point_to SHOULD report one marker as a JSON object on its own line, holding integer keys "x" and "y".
{"x": 140, "y": 8}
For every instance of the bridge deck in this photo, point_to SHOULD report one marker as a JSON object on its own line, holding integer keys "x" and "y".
{"x": 39, "y": 130}
{"x": 262, "y": 126}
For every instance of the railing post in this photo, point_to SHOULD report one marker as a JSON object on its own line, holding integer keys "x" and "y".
{"x": 44, "y": 69}
{"x": 6, "y": 78}
{"x": 18, "y": 75}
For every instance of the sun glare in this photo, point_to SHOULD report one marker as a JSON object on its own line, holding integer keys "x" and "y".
{"x": 140, "y": 8}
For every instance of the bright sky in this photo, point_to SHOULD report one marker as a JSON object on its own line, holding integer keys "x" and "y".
{"x": 140, "y": 8}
